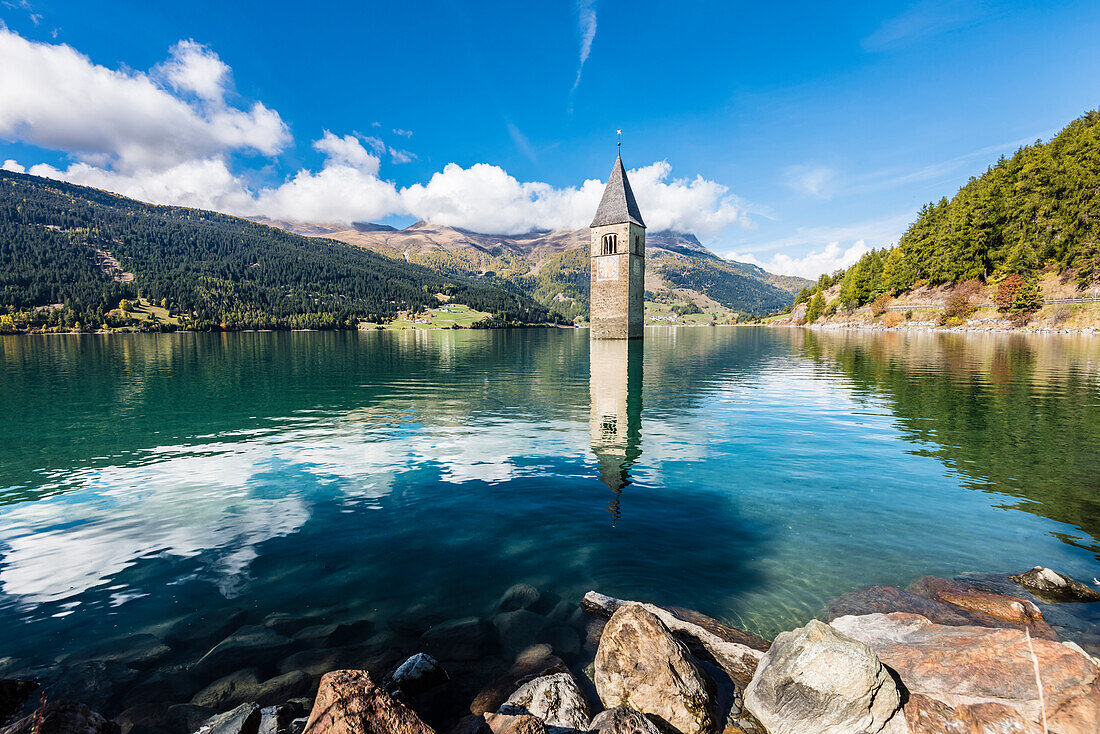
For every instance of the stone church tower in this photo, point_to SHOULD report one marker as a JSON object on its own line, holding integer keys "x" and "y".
{"x": 617, "y": 308}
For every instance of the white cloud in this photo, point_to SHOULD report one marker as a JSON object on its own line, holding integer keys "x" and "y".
{"x": 814, "y": 181}
{"x": 168, "y": 137}
{"x": 586, "y": 26}
{"x": 403, "y": 133}
{"x": 12, "y": 165}
{"x": 810, "y": 265}
{"x": 54, "y": 97}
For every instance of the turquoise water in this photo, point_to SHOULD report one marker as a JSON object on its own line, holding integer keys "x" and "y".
{"x": 752, "y": 474}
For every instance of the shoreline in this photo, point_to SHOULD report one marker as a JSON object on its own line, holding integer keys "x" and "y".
{"x": 539, "y": 664}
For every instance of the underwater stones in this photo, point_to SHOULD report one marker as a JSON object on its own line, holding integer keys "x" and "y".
{"x": 555, "y": 699}
{"x": 885, "y": 599}
{"x": 289, "y": 624}
{"x": 468, "y": 638}
{"x": 532, "y": 663}
{"x": 231, "y": 690}
{"x": 963, "y": 666}
{"x": 562, "y": 638}
{"x": 1053, "y": 587}
{"x": 1004, "y": 610}
{"x": 245, "y": 719}
{"x": 334, "y": 635}
{"x": 96, "y": 683}
{"x": 348, "y": 702}
{"x": 519, "y": 596}
{"x": 419, "y": 673}
{"x": 641, "y": 665}
{"x": 253, "y": 645}
{"x": 622, "y": 720}
{"x": 168, "y": 685}
{"x": 61, "y": 717}
{"x": 817, "y": 679}
{"x": 415, "y": 621}
{"x": 517, "y": 630}
{"x": 204, "y": 628}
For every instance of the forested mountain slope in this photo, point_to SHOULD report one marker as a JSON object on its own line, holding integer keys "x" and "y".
{"x": 552, "y": 267}
{"x": 1038, "y": 210}
{"x": 86, "y": 249}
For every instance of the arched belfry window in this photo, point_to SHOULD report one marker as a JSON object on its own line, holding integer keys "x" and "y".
{"x": 609, "y": 244}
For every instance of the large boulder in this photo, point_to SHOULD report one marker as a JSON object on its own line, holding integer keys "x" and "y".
{"x": 964, "y": 666}
{"x": 926, "y": 715}
{"x": 61, "y": 717}
{"x": 556, "y": 699}
{"x": 512, "y": 724}
{"x": 533, "y": 663}
{"x": 348, "y": 702}
{"x": 1053, "y": 587}
{"x": 737, "y": 660}
{"x": 1003, "y": 610}
{"x": 641, "y": 665}
{"x": 622, "y": 720}
{"x": 816, "y": 679}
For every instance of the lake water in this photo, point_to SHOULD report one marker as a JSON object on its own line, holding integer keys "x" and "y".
{"x": 752, "y": 474}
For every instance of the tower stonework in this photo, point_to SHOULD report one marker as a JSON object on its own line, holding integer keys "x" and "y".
{"x": 617, "y": 259}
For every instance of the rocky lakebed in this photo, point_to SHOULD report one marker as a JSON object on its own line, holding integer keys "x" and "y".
{"x": 977, "y": 653}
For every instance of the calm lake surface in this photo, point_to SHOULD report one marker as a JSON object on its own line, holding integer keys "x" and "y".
{"x": 752, "y": 474}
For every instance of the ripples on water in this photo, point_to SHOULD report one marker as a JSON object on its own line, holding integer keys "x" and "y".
{"x": 752, "y": 474}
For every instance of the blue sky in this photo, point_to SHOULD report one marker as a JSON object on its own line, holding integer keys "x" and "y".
{"x": 792, "y": 134}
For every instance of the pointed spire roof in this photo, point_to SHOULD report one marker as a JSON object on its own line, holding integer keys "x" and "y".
{"x": 617, "y": 205}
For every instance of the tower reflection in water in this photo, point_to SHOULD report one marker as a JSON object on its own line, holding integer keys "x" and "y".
{"x": 615, "y": 422}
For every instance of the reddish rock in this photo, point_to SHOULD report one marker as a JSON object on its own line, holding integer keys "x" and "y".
{"x": 523, "y": 724}
{"x": 928, "y": 716}
{"x": 348, "y": 702}
{"x": 965, "y": 666}
{"x": 886, "y": 599}
{"x": 1009, "y": 611}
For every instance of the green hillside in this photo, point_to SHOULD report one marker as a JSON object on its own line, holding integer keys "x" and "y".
{"x": 1039, "y": 209}
{"x": 69, "y": 254}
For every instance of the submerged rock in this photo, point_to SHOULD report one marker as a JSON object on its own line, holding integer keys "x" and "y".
{"x": 556, "y": 699}
{"x": 885, "y": 599}
{"x": 419, "y": 673}
{"x": 1053, "y": 587}
{"x": 204, "y": 628}
{"x": 61, "y": 717}
{"x": 1008, "y": 611}
{"x": 414, "y": 621}
{"x": 641, "y": 665}
{"x": 816, "y": 679}
{"x": 469, "y": 638}
{"x": 518, "y": 630}
{"x": 245, "y": 719}
{"x": 348, "y": 702}
{"x": 964, "y": 666}
{"x": 520, "y": 596}
{"x": 622, "y": 720}
{"x": 250, "y": 645}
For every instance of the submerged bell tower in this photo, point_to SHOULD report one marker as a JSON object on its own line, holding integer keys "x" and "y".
{"x": 617, "y": 259}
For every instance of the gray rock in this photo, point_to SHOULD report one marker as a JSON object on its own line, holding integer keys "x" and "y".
{"x": 96, "y": 683}
{"x": 641, "y": 665}
{"x": 1053, "y": 587}
{"x": 245, "y": 719}
{"x": 556, "y": 699}
{"x": 532, "y": 663}
{"x": 250, "y": 645}
{"x": 280, "y": 719}
{"x": 62, "y": 717}
{"x": 517, "y": 630}
{"x": 520, "y": 596}
{"x": 245, "y": 686}
{"x": 622, "y": 720}
{"x": 186, "y": 717}
{"x": 204, "y": 628}
{"x": 816, "y": 679}
{"x": 468, "y": 638}
{"x": 419, "y": 673}
{"x": 144, "y": 718}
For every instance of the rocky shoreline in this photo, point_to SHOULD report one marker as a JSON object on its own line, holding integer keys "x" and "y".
{"x": 991, "y": 653}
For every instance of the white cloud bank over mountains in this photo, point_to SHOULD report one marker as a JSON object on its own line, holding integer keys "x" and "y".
{"x": 169, "y": 136}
